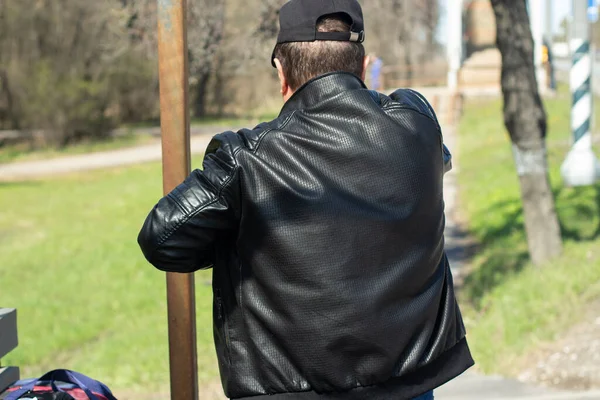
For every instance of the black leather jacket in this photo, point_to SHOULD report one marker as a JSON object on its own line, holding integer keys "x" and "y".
{"x": 325, "y": 229}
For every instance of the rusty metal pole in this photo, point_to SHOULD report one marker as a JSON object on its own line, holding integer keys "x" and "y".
{"x": 175, "y": 123}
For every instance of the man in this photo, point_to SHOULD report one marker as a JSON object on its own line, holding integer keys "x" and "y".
{"x": 376, "y": 65}
{"x": 324, "y": 228}
{"x": 547, "y": 60}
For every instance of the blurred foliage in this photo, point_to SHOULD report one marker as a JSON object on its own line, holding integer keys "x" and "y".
{"x": 511, "y": 306}
{"x": 70, "y": 69}
{"x": 73, "y": 69}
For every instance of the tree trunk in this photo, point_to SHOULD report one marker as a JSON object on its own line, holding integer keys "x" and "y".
{"x": 407, "y": 38}
{"x": 10, "y": 116}
{"x": 220, "y": 97}
{"x": 201, "y": 92}
{"x": 207, "y": 20}
{"x": 525, "y": 120}
{"x": 430, "y": 23}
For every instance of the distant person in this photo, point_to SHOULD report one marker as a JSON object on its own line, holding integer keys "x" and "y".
{"x": 376, "y": 66}
{"x": 325, "y": 231}
{"x": 549, "y": 59}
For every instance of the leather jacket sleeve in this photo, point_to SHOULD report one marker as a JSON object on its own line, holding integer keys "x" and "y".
{"x": 180, "y": 233}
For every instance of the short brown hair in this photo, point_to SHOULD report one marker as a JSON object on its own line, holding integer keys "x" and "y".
{"x": 302, "y": 61}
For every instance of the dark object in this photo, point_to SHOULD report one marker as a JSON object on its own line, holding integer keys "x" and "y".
{"x": 298, "y": 21}
{"x": 8, "y": 342}
{"x": 60, "y": 384}
{"x": 325, "y": 227}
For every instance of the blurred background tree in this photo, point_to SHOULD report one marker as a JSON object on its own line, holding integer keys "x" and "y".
{"x": 526, "y": 122}
{"x": 71, "y": 68}
{"x": 76, "y": 69}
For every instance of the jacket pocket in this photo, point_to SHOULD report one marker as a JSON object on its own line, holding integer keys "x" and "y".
{"x": 222, "y": 325}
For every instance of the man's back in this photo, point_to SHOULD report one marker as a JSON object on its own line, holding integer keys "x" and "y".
{"x": 325, "y": 230}
{"x": 329, "y": 274}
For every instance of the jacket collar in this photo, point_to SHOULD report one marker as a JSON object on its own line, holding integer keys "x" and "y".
{"x": 321, "y": 88}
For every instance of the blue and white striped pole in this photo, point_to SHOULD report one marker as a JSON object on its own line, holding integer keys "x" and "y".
{"x": 581, "y": 168}
{"x": 581, "y": 91}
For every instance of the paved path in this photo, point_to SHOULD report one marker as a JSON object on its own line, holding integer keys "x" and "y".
{"x": 476, "y": 387}
{"x": 98, "y": 160}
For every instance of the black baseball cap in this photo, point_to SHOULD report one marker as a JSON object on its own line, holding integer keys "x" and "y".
{"x": 298, "y": 21}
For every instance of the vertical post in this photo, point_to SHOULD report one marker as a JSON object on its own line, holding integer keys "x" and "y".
{"x": 174, "y": 122}
{"x": 581, "y": 168}
{"x": 454, "y": 13}
{"x": 536, "y": 16}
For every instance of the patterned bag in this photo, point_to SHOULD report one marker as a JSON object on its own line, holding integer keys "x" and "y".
{"x": 60, "y": 384}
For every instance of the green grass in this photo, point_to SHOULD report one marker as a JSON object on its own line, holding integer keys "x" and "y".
{"x": 510, "y": 306}
{"x": 86, "y": 298}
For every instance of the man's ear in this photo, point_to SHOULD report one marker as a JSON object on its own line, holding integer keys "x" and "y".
{"x": 285, "y": 88}
{"x": 366, "y": 62}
